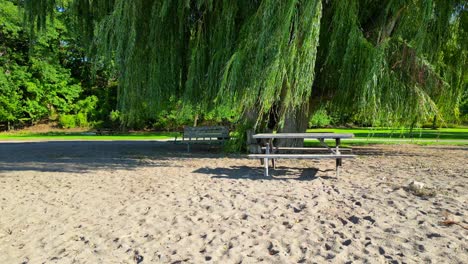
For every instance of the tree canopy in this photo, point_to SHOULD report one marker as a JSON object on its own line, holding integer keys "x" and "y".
{"x": 273, "y": 62}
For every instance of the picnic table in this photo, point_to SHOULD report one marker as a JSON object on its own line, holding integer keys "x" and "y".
{"x": 272, "y": 152}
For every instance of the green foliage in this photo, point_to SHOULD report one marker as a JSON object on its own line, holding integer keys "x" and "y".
{"x": 67, "y": 121}
{"x": 86, "y": 107}
{"x": 35, "y": 80}
{"x": 172, "y": 120}
{"x": 9, "y": 100}
{"x": 81, "y": 120}
{"x": 398, "y": 65}
{"x": 178, "y": 116}
{"x": 320, "y": 119}
{"x": 464, "y": 107}
{"x": 114, "y": 116}
{"x": 168, "y": 48}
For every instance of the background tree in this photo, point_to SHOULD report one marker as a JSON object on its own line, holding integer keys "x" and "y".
{"x": 275, "y": 62}
{"x": 47, "y": 77}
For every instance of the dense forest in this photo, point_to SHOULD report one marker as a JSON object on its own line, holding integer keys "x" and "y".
{"x": 281, "y": 65}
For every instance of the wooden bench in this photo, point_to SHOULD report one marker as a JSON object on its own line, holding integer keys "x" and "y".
{"x": 204, "y": 135}
{"x": 271, "y": 152}
{"x": 105, "y": 131}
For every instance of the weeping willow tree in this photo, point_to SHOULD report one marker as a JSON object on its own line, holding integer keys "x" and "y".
{"x": 389, "y": 62}
{"x": 394, "y": 64}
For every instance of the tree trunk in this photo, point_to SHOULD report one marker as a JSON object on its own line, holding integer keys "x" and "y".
{"x": 250, "y": 117}
{"x": 195, "y": 121}
{"x": 296, "y": 121}
{"x": 434, "y": 122}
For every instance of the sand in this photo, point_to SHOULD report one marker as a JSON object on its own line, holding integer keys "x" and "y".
{"x": 151, "y": 202}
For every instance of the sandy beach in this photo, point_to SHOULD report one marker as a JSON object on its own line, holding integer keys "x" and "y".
{"x": 152, "y": 202}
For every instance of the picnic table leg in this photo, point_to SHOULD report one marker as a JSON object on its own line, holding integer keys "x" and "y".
{"x": 265, "y": 161}
{"x": 273, "y": 161}
{"x": 262, "y": 152}
{"x": 339, "y": 160}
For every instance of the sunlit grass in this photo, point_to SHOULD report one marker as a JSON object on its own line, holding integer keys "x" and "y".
{"x": 420, "y": 133}
{"x": 362, "y": 136}
{"x": 88, "y": 136}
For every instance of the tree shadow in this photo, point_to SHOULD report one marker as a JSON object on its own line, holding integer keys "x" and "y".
{"x": 84, "y": 156}
{"x": 257, "y": 173}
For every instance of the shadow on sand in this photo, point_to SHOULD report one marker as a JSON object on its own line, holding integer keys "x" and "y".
{"x": 257, "y": 173}
{"x": 83, "y": 156}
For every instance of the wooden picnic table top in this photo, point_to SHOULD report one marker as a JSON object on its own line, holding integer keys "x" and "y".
{"x": 303, "y": 135}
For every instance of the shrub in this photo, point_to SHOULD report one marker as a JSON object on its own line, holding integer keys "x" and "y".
{"x": 114, "y": 115}
{"x": 81, "y": 120}
{"x": 320, "y": 119}
{"x": 67, "y": 121}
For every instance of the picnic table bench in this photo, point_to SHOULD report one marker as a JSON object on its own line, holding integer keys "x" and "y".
{"x": 204, "y": 135}
{"x": 272, "y": 152}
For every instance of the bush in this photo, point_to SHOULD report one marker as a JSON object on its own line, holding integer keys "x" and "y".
{"x": 320, "y": 119}
{"x": 67, "y": 121}
{"x": 464, "y": 119}
{"x": 114, "y": 116}
{"x": 172, "y": 120}
{"x": 81, "y": 120}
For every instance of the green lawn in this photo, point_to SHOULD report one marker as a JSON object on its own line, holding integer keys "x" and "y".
{"x": 420, "y": 133}
{"x": 87, "y": 136}
{"x": 421, "y": 136}
{"x": 362, "y": 136}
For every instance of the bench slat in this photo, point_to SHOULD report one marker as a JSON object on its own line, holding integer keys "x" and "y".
{"x": 301, "y": 156}
{"x": 303, "y": 135}
{"x": 292, "y": 148}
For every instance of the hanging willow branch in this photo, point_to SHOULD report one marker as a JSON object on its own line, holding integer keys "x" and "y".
{"x": 393, "y": 70}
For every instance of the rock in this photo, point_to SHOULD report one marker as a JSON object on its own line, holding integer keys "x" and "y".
{"x": 354, "y": 219}
{"x": 421, "y": 248}
{"x": 414, "y": 185}
{"x": 381, "y": 251}
{"x": 347, "y": 242}
{"x": 137, "y": 257}
{"x": 344, "y": 222}
{"x": 369, "y": 218}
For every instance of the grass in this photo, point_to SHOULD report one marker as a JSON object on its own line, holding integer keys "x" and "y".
{"x": 87, "y": 136}
{"x": 362, "y": 136}
{"x": 419, "y": 136}
{"x": 364, "y": 142}
{"x": 419, "y": 133}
